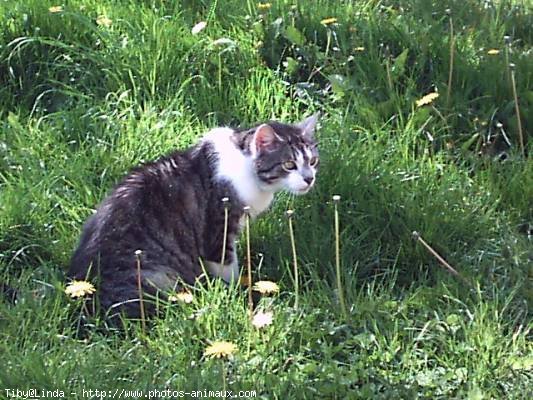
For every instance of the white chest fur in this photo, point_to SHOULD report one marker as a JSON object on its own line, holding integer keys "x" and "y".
{"x": 236, "y": 168}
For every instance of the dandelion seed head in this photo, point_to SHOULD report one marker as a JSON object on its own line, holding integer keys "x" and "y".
{"x": 262, "y": 319}
{"x": 200, "y": 26}
{"x": 223, "y": 42}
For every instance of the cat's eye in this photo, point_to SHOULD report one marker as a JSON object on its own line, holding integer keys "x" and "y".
{"x": 313, "y": 161}
{"x": 289, "y": 165}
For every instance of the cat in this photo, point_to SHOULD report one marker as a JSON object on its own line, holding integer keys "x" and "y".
{"x": 171, "y": 212}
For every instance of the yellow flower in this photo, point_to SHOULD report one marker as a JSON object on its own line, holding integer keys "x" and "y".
{"x": 185, "y": 297}
{"x": 360, "y": 48}
{"x": 266, "y": 287}
{"x": 493, "y": 52}
{"x": 328, "y": 21}
{"x": 427, "y": 99}
{"x": 55, "y": 9}
{"x": 79, "y": 289}
{"x": 102, "y": 20}
{"x": 264, "y": 6}
{"x": 262, "y": 319}
{"x": 220, "y": 350}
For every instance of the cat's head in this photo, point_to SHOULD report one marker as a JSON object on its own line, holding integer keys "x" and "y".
{"x": 285, "y": 157}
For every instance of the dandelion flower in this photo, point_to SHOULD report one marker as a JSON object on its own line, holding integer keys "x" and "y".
{"x": 79, "y": 289}
{"x": 220, "y": 350}
{"x": 102, "y": 20}
{"x": 266, "y": 287}
{"x": 328, "y": 21}
{"x": 184, "y": 297}
{"x": 493, "y": 52}
{"x": 55, "y": 9}
{"x": 200, "y": 26}
{"x": 427, "y": 99}
{"x": 262, "y": 319}
{"x": 264, "y": 6}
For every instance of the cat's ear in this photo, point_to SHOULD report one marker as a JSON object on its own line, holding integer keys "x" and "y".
{"x": 265, "y": 138}
{"x": 308, "y": 125}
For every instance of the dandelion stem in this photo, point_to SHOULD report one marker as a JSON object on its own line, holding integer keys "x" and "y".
{"x": 294, "y": 260}
{"x": 450, "y": 73}
{"x": 139, "y": 288}
{"x": 342, "y": 301}
{"x": 223, "y": 376}
{"x": 225, "y": 201}
{"x": 507, "y": 42}
{"x": 219, "y": 72}
{"x": 87, "y": 276}
{"x": 248, "y": 259}
{"x": 517, "y": 108}
{"x": 328, "y": 43}
{"x": 389, "y": 77}
{"x": 80, "y": 317}
{"x": 441, "y": 260}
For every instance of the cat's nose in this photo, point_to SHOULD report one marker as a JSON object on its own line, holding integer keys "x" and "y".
{"x": 309, "y": 180}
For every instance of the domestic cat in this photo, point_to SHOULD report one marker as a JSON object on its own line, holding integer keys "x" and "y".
{"x": 172, "y": 211}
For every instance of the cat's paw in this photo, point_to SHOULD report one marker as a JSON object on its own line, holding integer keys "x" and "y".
{"x": 229, "y": 273}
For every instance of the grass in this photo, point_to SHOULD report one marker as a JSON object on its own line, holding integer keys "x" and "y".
{"x": 82, "y": 103}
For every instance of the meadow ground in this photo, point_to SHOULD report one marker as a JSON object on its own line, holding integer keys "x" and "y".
{"x": 91, "y": 88}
